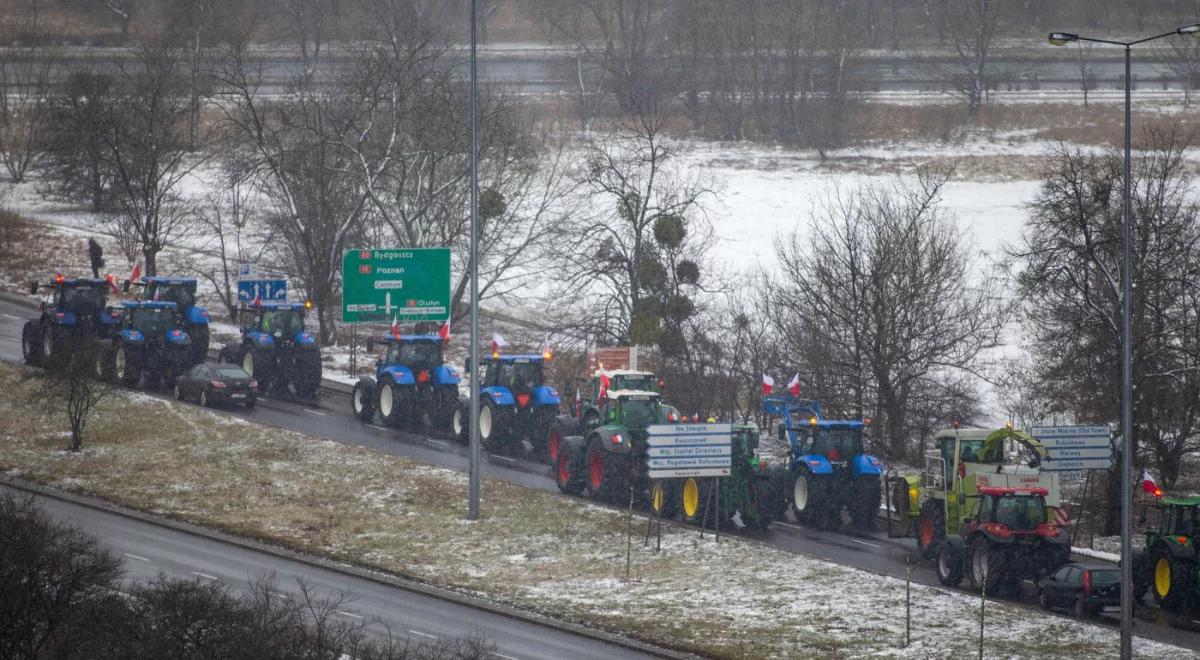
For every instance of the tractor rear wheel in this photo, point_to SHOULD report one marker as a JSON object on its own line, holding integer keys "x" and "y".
{"x": 306, "y": 377}
{"x": 691, "y": 500}
{"x": 362, "y": 400}
{"x": 53, "y": 341}
{"x": 931, "y": 529}
{"x": 664, "y": 498}
{"x": 768, "y": 498}
{"x": 864, "y": 501}
{"x": 950, "y": 564}
{"x": 1172, "y": 579}
{"x": 606, "y": 472}
{"x": 391, "y": 405}
{"x": 568, "y": 472}
{"x": 987, "y": 565}
{"x": 553, "y": 441}
{"x": 30, "y": 347}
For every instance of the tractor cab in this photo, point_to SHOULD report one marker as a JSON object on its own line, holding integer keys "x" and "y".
{"x": 835, "y": 440}
{"x": 76, "y": 299}
{"x": 281, "y": 321}
{"x": 413, "y": 351}
{"x": 1010, "y": 511}
{"x": 153, "y": 322}
{"x": 965, "y": 460}
{"x": 179, "y": 290}
{"x": 1178, "y": 518}
{"x": 633, "y": 409}
{"x": 519, "y": 374}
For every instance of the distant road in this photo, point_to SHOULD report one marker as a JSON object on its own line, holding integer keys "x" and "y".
{"x": 148, "y": 550}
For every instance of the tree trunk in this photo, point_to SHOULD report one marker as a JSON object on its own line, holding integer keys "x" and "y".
{"x": 151, "y": 256}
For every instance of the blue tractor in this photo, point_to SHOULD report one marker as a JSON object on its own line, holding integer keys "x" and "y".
{"x": 192, "y": 318}
{"x": 515, "y": 403}
{"x": 149, "y": 348}
{"x": 412, "y": 384}
{"x": 827, "y": 465}
{"x": 74, "y": 311}
{"x": 276, "y": 350}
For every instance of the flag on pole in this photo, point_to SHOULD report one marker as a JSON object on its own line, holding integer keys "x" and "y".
{"x": 395, "y": 327}
{"x": 545, "y": 349}
{"x": 1149, "y": 485}
{"x": 794, "y": 385}
{"x": 257, "y": 298}
{"x": 136, "y": 274}
{"x": 768, "y": 384}
{"x": 112, "y": 282}
{"x": 604, "y": 383}
{"x": 444, "y": 331}
{"x": 498, "y": 343}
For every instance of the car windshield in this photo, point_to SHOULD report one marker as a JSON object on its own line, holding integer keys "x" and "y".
{"x": 520, "y": 376}
{"x": 83, "y": 300}
{"x": 285, "y": 322}
{"x": 638, "y": 413}
{"x": 1104, "y": 577}
{"x": 231, "y": 372}
{"x": 152, "y": 321}
{"x": 1021, "y": 512}
{"x": 422, "y": 354}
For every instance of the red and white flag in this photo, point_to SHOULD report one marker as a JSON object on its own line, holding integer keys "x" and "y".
{"x": 768, "y": 384}
{"x": 604, "y": 383}
{"x": 1148, "y": 484}
{"x": 136, "y": 274}
{"x": 545, "y": 349}
{"x": 257, "y": 298}
{"x": 395, "y": 327}
{"x": 444, "y": 331}
{"x": 794, "y": 385}
{"x": 498, "y": 343}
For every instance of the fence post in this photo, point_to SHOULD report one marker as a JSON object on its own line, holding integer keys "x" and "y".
{"x": 982, "y": 602}
{"x": 907, "y": 600}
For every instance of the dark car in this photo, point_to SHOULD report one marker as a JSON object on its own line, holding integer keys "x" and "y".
{"x": 212, "y": 383}
{"x": 1086, "y": 589}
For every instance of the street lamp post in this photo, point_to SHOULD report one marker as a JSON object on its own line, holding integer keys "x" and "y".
{"x": 1060, "y": 39}
{"x": 473, "y": 263}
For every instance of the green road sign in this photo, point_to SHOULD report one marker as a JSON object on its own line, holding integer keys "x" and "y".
{"x": 409, "y": 285}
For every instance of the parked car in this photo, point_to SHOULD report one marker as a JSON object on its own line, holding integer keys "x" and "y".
{"x": 211, "y": 383}
{"x": 1085, "y": 589}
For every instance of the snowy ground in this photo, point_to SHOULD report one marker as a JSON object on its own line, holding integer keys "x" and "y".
{"x": 540, "y": 551}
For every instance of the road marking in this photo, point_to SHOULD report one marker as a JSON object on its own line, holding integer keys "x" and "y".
{"x": 376, "y": 426}
{"x": 315, "y": 412}
{"x": 135, "y": 557}
{"x": 503, "y": 458}
{"x": 205, "y": 576}
{"x": 506, "y": 657}
{"x": 795, "y": 527}
{"x": 418, "y": 632}
{"x": 440, "y": 443}
{"x": 349, "y": 614}
{"x": 865, "y": 543}
{"x": 15, "y": 318}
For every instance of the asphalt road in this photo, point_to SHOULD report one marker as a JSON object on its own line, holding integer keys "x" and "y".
{"x": 150, "y": 550}
{"x": 870, "y": 551}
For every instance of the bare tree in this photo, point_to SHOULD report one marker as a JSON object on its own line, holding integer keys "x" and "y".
{"x": 25, "y": 79}
{"x": 1087, "y": 70}
{"x": 880, "y": 310}
{"x": 1184, "y": 63}
{"x": 68, "y": 388}
{"x": 74, "y": 162}
{"x": 970, "y": 26}
{"x": 123, "y": 11}
{"x": 225, "y": 219}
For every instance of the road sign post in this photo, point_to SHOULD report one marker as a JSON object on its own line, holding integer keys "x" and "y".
{"x": 689, "y": 450}
{"x": 408, "y": 285}
{"x": 1075, "y": 448}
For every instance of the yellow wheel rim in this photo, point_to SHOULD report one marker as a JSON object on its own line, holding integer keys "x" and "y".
{"x": 657, "y": 497}
{"x": 1162, "y": 577}
{"x": 691, "y": 497}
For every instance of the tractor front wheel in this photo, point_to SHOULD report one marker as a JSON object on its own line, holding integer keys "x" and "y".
{"x": 1143, "y": 571}
{"x": 103, "y": 365}
{"x": 988, "y": 566}
{"x": 30, "y": 347}
{"x": 363, "y": 400}
{"x": 768, "y": 498}
{"x": 864, "y": 501}
{"x": 306, "y": 377}
{"x": 931, "y": 529}
{"x": 811, "y": 499}
{"x": 950, "y": 564}
{"x": 53, "y": 343}
{"x": 606, "y": 477}
{"x": 568, "y": 472}
{"x": 459, "y": 423}
{"x": 553, "y": 441}
{"x": 1172, "y": 579}
{"x": 664, "y": 498}
{"x": 125, "y": 367}
{"x": 691, "y": 500}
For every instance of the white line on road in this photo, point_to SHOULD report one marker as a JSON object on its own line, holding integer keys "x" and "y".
{"x": 15, "y": 318}
{"x": 349, "y": 614}
{"x": 315, "y": 412}
{"x": 435, "y": 441}
{"x": 418, "y": 632}
{"x": 800, "y": 529}
{"x": 205, "y": 576}
{"x": 873, "y": 545}
{"x": 135, "y": 557}
{"x": 503, "y": 458}
{"x": 506, "y": 657}
{"x": 376, "y": 426}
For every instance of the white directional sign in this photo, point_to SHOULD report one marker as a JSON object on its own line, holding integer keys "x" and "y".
{"x": 1070, "y": 448}
{"x": 689, "y": 450}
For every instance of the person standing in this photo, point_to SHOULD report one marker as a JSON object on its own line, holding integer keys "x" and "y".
{"x": 96, "y": 255}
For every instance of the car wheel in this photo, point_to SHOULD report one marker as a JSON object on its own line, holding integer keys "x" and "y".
{"x": 204, "y": 397}
{"x": 178, "y": 392}
{"x": 1081, "y": 609}
{"x": 1043, "y": 599}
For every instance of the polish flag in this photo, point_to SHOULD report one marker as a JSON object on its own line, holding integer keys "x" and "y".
{"x": 137, "y": 272}
{"x": 395, "y": 327}
{"x": 794, "y": 385}
{"x": 257, "y": 298}
{"x": 545, "y": 349}
{"x": 444, "y": 331}
{"x": 768, "y": 384}
{"x": 1149, "y": 485}
{"x": 604, "y": 383}
{"x": 498, "y": 343}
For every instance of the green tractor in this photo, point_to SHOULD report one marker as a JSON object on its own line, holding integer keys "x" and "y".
{"x": 1168, "y": 566}
{"x": 585, "y": 410}
{"x": 754, "y": 493}
{"x": 610, "y": 451}
{"x": 984, "y": 503}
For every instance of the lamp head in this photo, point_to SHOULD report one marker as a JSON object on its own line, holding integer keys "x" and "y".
{"x": 1193, "y": 29}
{"x": 1062, "y": 38}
